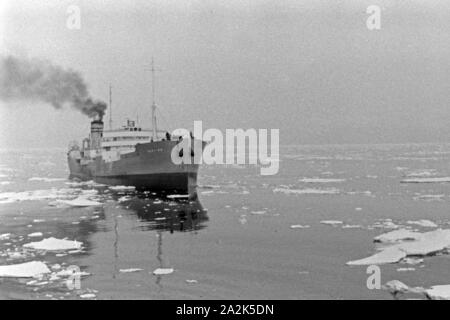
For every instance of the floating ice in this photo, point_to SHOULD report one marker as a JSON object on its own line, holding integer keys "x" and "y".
{"x": 390, "y": 255}
{"x": 24, "y": 270}
{"x": 386, "y": 224}
{"x": 426, "y": 180}
{"x": 46, "y": 179}
{"x": 191, "y": 281}
{"x": 53, "y": 244}
{"x": 9, "y": 197}
{"x": 299, "y": 226}
{"x": 306, "y": 191}
{"x": 162, "y": 271}
{"x": 124, "y": 198}
{"x": 441, "y": 292}
{"x": 412, "y": 261}
{"x": 405, "y": 269}
{"x": 422, "y": 173}
{"x": 122, "y": 188}
{"x": 130, "y": 270}
{"x": 423, "y": 223}
{"x": 4, "y": 183}
{"x": 331, "y": 222}
{"x": 424, "y": 244}
{"x": 35, "y": 234}
{"x": 258, "y": 212}
{"x": 320, "y": 180}
{"x": 429, "y": 243}
{"x": 177, "y": 196}
{"x": 81, "y": 202}
{"x": 87, "y": 296}
{"x": 398, "y": 235}
{"x": 5, "y": 236}
{"x": 363, "y": 193}
{"x": 395, "y": 287}
{"x": 351, "y": 226}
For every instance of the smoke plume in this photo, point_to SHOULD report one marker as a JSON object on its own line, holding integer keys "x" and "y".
{"x": 40, "y": 81}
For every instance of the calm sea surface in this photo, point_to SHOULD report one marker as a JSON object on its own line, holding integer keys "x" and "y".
{"x": 237, "y": 240}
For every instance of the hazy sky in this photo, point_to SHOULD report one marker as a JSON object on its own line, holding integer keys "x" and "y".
{"x": 310, "y": 68}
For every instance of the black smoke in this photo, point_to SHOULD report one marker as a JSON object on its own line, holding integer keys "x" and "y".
{"x": 41, "y": 81}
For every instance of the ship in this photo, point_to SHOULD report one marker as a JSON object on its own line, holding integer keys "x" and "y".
{"x": 134, "y": 156}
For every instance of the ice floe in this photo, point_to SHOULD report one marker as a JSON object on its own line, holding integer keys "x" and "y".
{"x": 395, "y": 287}
{"x": 306, "y": 191}
{"x": 177, "y": 196}
{"x": 405, "y": 269}
{"x": 385, "y": 224}
{"x": 440, "y": 292}
{"x": 130, "y": 270}
{"x": 423, "y": 223}
{"x": 423, "y": 244}
{"x": 437, "y": 292}
{"x": 351, "y": 226}
{"x": 426, "y": 180}
{"x": 191, "y": 281}
{"x": 390, "y": 255}
{"x": 299, "y": 226}
{"x": 46, "y": 179}
{"x": 398, "y": 235}
{"x": 122, "y": 188}
{"x": 261, "y": 212}
{"x": 5, "y": 236}
{"x": 53, "y": 244}
{"x": 124, "y": 198}
{"x": 162, "y": 271}
{"x": 422, "y": 173}
{"x": 331, "y": 222}
{"x": 9, "y": 197}
{"x": 81, "y": 202}
{"x": 35, "y": 235}
{"x": 24, "y": 270}
{"x": 412, "y": 261}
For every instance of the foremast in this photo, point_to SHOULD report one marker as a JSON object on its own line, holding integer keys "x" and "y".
{"x": 154, "y": 129}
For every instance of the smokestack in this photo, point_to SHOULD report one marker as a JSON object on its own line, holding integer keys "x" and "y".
{"x": 96, "y": 132}
{"x": 41, "y": 81}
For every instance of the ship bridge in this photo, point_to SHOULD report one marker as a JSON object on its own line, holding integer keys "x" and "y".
{"x": 124, "y": 140}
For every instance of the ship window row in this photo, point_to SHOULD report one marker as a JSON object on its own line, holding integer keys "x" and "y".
{"x": 119, "y": 147}
{"x": 109, "y": 139}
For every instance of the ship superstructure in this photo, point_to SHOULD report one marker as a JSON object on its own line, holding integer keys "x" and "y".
{"x": 133, "y": 156}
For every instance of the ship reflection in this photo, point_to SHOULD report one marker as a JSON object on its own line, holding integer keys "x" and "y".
{"x": 168, "y": 214}
{"x": 161, "y": 215}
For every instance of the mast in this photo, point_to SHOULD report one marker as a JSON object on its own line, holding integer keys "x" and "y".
{"x": 110, "y": 107}
{"x": 154, "y": 103}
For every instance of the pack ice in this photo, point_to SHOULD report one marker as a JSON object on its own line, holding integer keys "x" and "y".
{"x": 53, "y": 244}
{"x": 81, "y": 202}
{"x": 407, "y": 243}
{"x": 24, "y": 270}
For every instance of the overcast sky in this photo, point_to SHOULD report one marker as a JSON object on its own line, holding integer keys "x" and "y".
{"x": 309, "y": 68}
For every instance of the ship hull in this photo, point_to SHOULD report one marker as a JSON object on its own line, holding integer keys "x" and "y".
{"x": 149, "y": 167}
{"x": 181, "y": 182}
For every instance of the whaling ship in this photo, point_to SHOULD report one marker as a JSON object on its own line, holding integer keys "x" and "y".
{"x": 134, "y": 156}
